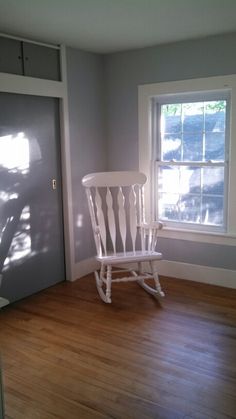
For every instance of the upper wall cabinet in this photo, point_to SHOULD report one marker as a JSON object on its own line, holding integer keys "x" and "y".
{"x": 28, "y": 59}
{"x": 10, "y": 56}
{"x": 42, "y": 62}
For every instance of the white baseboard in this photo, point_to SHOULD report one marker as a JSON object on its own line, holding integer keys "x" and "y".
{"x": 3, "y": 302}
{"x": 198, "y": 273}
{"x": 85, "y": 267}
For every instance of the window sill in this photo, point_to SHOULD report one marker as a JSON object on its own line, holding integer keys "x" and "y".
{"x": 198, "y": 236}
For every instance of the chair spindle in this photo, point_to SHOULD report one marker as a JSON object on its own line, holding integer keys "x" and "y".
{"x": 111, "y": 218}
{"x": 122, "y": 217}
{"x": 133, "y": 216}
{"x": 101, "y": 220}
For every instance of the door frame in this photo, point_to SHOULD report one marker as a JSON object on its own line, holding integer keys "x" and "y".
{"x": 11, "y": 83}
{"x": 2, "y": 407}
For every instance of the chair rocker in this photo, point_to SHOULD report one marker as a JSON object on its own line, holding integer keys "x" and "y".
{"x": 116, "y": 206}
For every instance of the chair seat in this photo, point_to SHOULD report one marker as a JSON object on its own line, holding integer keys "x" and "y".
{"x": 138, "y": 256}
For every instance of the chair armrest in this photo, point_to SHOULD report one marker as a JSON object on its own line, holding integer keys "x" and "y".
{"x": 149, "y": 234}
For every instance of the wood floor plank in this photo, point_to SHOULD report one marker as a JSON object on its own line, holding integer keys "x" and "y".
{"x": 68, "y": 355}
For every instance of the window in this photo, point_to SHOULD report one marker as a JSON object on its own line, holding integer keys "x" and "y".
{"x": 191, "y": 168}
{"x": 187, "y": 149}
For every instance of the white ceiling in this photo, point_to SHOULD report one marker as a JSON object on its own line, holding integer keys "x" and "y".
{"x": 114, "y": 25}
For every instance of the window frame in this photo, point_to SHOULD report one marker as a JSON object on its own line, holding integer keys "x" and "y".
{"x": 164, "y": 92}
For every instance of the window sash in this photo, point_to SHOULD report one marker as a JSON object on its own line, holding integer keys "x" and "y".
{"x": 186, "y": 224}
{"x": 157, "y": 102}
{"x": 208, "y": 163}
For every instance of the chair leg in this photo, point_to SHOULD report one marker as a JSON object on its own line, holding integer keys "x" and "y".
{"x": 140, "y": 268}
{"x": 102, "y": 272}
{"x": 156, "y": 279}
{"x": 99, "y": 283}
{"x": 142, "y": 283}
{"x": 108, "y": 289}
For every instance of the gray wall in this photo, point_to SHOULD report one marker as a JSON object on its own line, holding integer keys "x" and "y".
{"x": 85, "y": 72}
{"x": 211, "y": 56}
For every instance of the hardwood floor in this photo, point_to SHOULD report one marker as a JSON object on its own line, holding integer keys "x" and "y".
{"x": 67, "y": 355}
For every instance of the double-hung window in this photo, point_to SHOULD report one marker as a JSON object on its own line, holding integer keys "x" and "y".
{"x": 190, "y": 140}
{"x": 187, "y": 149}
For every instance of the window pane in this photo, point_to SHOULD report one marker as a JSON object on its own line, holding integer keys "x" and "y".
{"x": 193, "y": 147}
{"x": 193, "y": 117}
{"x": 190, "y": 208}
{"x": 190, "y": 179}
{"x": 171, "y": 118}
{"x": 215, "y": 116}
{"x": 168, "y": 179}
{"x": 171, "y": 147}
{"x": 215, "y": 146}
{"x": 168, "y": 206}
{"x": 212, "y": 210}
{"x": 213, "y": 180}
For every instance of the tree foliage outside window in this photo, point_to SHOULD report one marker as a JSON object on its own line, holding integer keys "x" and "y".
{"x": 175, "y": 108}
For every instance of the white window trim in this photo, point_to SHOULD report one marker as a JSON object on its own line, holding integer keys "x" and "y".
{"x": 146, "y": 161}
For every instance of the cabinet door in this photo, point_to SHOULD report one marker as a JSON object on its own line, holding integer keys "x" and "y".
{"x": 10, "y": 56}
{"x": 41, "y": 62}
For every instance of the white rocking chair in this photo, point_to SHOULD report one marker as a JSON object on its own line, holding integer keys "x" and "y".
{"x": 116, "y": 206}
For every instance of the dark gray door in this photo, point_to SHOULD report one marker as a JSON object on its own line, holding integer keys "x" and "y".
{"x": 31, "y": 226}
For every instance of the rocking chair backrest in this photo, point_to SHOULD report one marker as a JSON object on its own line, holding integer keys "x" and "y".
{"x": 108, "y": 211}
